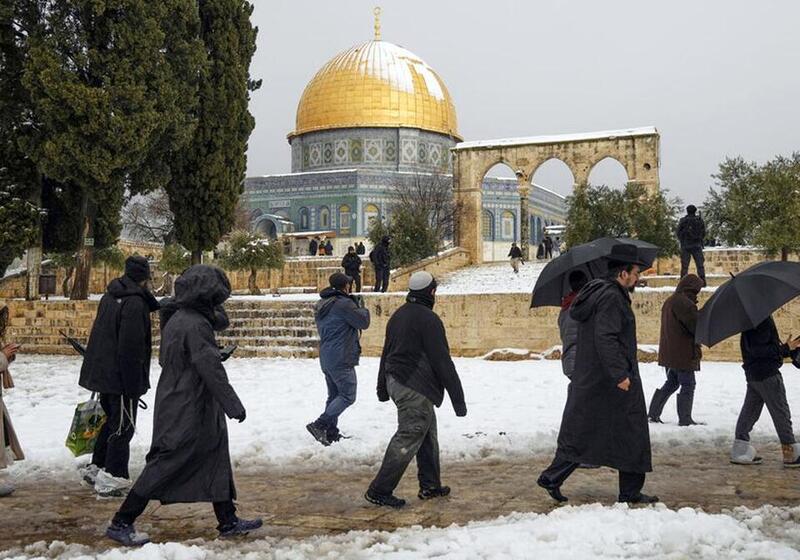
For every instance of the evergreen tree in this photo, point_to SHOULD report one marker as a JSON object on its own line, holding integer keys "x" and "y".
{"x": 247, "y": 251}
{"x": 207, "y": 176}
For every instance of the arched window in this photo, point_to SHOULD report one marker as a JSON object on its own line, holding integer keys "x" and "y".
{"x": 303, "y": 218}
{"x": 488, "y": 226}
{"x": 371, "y": 212}
{"x": 324, "y": 218}
{"x": 344, "y": 219}
{"x": 509, "y": 230}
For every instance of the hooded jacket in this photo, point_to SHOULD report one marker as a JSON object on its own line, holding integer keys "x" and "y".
{"x": 339, "y": 320}
{"x": 381, "y": 257}
{"x": 677, "y": 348}
{"x": 351, "y": 263}
{"x": 117, "y": 359}
{"x": 762, "y": 351}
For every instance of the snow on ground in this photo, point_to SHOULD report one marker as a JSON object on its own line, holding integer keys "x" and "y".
{"x": 568, "y": 533}
{"x": 492, "y": 278}
{"x": 514, "y": 408}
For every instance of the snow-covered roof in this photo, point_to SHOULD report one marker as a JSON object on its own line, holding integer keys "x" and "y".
{"x": 301, "y": 234}
{"x": 558, "y": 138}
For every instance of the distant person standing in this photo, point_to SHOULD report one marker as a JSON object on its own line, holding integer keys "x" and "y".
{"x": 340, "y": 318}
{"x": 415, "y": 371}
{"x": 677, "y": 350}
{"x": 329, "y": 248}
{"x": 548, "y": 247}
{"x": 540, "y": 251}
{"x": 360, "y": 249}
{"x": 557, "y": 247}
{"x": 351, "y": 263}
{"x": 312, "y": 247}
{"x": 516, "y": 257}
{"x": 381, "y": 260}
{"x": 691, "y": 233}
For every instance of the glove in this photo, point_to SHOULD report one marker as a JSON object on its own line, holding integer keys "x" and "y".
{"x": 383, "y": 396}
{"x": 460, "y": 408}
{"x": 241, "y": 416}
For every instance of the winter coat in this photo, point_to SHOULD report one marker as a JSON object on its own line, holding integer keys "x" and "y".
{"x": 677, "y": 349}
{"x": 8, "y": 437}
{"x": 381, "y": 257}
{"x": 329, "y": 249}
{"x": 568, "y": 329}
{"x": 360, "y": 249}
{"x": 691, "y": 231}
{"x": 312, "y": 247}
{"x": 189, "y": 459}
{"x": 339, "y": 320}
{"x": 515, "y": 253}
{"x": 602, "y": 424}
{"x": 117, "y": 359}
{"x": 351, "y": 263}
{"x": 762, "y": 351}
{"x": 417, "y": 355}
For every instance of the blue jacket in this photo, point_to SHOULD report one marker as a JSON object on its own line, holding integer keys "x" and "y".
{"x": 339, "y": 320}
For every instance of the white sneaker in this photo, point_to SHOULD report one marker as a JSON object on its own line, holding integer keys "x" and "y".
{"x": 107, "y": 486}
{"x": 88, "y": 474}
{"x": 742, "y": 453}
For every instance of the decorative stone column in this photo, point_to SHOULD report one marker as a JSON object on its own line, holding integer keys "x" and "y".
{"x": 524, "y": 189}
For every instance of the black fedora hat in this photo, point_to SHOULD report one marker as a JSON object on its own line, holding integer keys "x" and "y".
{"x": 625, "y": 253}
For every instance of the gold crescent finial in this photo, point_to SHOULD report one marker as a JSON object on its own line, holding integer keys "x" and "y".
{"x": 377, "y": 12}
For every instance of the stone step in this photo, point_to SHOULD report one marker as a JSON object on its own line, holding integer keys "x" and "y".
{"x": 261, "y": 331}
{"x": 304, "y": 322}
{"x": 276, "y": 352}
{"x": 311, "y": 342}
{"x": 268, "y": 304}
{"x": 266, "y": 313}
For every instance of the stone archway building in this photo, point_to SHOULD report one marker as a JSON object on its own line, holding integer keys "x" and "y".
{"x": 636, "y": 149}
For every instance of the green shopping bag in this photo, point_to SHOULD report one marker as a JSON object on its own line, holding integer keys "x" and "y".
{"x": 86, "y": 423}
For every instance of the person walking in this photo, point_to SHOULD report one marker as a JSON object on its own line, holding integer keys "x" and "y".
{"x": 567, "y": 326}
{"x": 340, "y": 318}
{"x": 516, "y": 257}
{"x": 10, "y": 448}
{"x": 313, "y": 245}
{"x": 415, "y": 370}
{"x": 381, "y": 260}
{"x": 117, "y": 366}
{"x": 351, "y": 263}
{"x": 548, "y": 247}
{"x": 605, "y": 418}
{"x": 691, "y": 234}
{"x": 677, "y": 351}
{"x": 763, "y": 355}
{"x": 189, "y": 459}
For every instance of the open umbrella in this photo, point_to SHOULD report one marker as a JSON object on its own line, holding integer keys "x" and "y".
{"x": 591, "y": 258}
{"x": 745, "y": 300}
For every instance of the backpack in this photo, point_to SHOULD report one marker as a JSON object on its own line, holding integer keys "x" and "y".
{"x": 693, "y": 230}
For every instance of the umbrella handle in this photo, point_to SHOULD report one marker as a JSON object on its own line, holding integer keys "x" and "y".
{"x": 732, "y": 275}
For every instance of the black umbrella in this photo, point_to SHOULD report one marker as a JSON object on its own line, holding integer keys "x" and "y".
{"x": 75, "y": 343}
{"x": 745, "y": 300}
{"x": 592, "y": 258}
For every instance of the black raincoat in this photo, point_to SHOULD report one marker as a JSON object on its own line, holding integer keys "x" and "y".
{"x": 602, "y": 424}
{"x": 189, "y": 459}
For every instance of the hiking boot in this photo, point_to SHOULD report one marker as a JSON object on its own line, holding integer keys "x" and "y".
{"x": 241, "y": 528}
{"x": 320, "y": 434}
{"x": 334, "y": 435}
{"x": 639, "y": 499}
{"x": 126, "y": 535}
{"x": 107, "y": 486}
{"x": 554, "y": 491}
{"x": 88, "y": 474}
{"x": 791, "y": 455}
{"x": 685, "y": 411}
{"x": 428, "y": 493}
{"x": 384, "y": 499}
{"x": 742, "y": 453}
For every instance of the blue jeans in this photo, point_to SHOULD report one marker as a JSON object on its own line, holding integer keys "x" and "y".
{"x": 341, "y": 394}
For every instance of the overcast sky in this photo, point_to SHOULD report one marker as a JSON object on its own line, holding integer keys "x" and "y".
{"x": 716, "y": 77}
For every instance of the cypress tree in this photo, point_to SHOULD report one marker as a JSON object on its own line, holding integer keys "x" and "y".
{"x": 208, "y": 175}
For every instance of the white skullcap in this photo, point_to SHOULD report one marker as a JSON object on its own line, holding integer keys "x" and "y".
{"x": 420, "y": 280}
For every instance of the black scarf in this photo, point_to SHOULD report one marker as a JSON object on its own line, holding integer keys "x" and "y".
{"x": 422, "y": 297}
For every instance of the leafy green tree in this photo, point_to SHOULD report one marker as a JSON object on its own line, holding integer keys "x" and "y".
{"x": 247, "y": 251}
{"x": 208, "y": 175}
{"x": 729, "y": 210}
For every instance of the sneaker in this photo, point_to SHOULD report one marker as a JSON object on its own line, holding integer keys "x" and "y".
{"x": 791, "y": 455}
{"x": 334, "y": 435}
{"x": 88, "y": 474}
{"x": 319, "y": 433}
{"x": 639, "y": 499}
{"x": 241, "y": 528}
{"x": 554, "y": 491}
{"x": 384, "y": 499}
{"x": 6, "y": 489}
{"x": 107, "y": 486}
{"x": 428, "y": 493}
{"x": 126, "y": 535}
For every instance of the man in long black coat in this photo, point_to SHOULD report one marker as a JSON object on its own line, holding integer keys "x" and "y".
{"x": 351, "y": 263}
{"x": 117, "y": 366}
{"x": 605, "y": 418}
{"x": 381, "y": 258}
{"x": 189, "y": 459}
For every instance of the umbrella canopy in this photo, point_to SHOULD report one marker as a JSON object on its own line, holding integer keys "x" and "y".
{"x": 591, "y": 258}
{"x": 745, "y": 300}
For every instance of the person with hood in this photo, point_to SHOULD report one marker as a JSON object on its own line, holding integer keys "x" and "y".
{"x": 312, "y": 247}
{"x": 763, "y": 355}
{"x": 117, "y": 366}
{"x": 360, "y": 249}
{"x": 415, "y": 370}
{"x": 381, "y": 259}
{"x": 340, "y": 318}
{"x": 329, "y": 248}
{"x": 691, "y": 235}
{"x": 10, "y": 449}
{"x": 677, "y": 351}
{"x": 351, "y": 263}
{"x": 189, "y": 459}
{"x": 516, "y": 257}
{"x": 605, "y": 418}
{"x": 567, "y": 326}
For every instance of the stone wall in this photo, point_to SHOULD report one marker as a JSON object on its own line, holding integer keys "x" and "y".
{"x": 720, "y": 261}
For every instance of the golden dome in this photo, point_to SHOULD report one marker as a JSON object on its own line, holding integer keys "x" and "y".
{"x": 376, "y": 84}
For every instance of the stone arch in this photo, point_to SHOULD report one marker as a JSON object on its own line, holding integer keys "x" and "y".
{"x": 324, "y": 218}
{"x": 345, "y": 219}
{"x": 304, "y": 217}
{"x": 266, "y": 226}
{"x": 605, "y": 167}
{"x": 487, "y": 225}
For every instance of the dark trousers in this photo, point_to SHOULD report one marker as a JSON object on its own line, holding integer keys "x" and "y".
{"x": 630, "y": 484}
{"x": 771, "y": 392}
{"x": 134, "y": 505}
{"x": 342, "y": 385}
{"x": 416, "y": 436}
{"x": 684, "y": 379}
{"x": 112, "y": 450}
{"x": 699, "y": 261}
{"x": 356, "y": 276}
{"x": 381, "y": 279}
